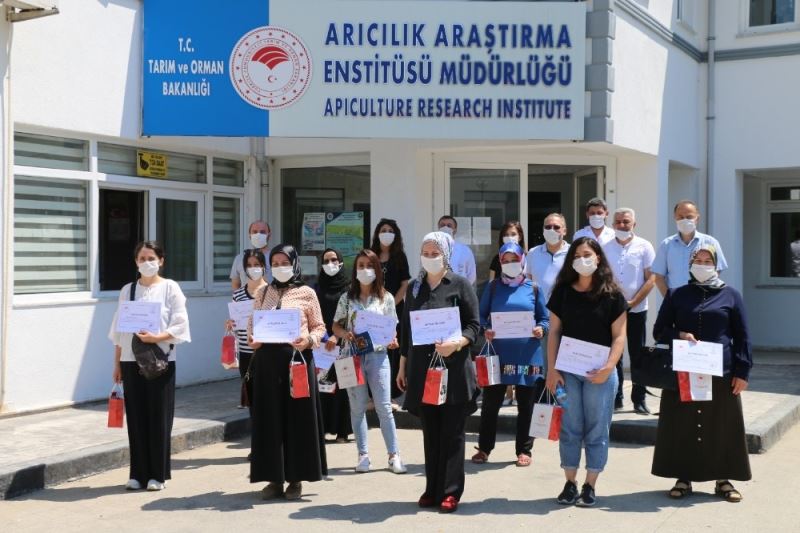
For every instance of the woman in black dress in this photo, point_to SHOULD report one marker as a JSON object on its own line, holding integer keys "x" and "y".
{"x": 332, "y": 283}
{"x": 387, "y": 243}
{"x": 705, "y": 441}
{"x": 442, "y": 425}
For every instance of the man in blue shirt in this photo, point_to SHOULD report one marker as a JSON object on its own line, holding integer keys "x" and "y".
{"x": 671, "y": 265}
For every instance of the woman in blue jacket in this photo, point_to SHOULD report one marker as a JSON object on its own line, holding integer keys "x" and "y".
{"x": 521, "y": 360}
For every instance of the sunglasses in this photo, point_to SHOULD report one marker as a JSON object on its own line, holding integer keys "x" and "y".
{"x": 552, "y": 226}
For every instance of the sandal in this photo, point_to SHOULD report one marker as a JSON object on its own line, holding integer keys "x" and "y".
{"x": 480, "y": 457}
{"x": 680, "y": 490}
{"x": 727, "y": 491}
{"x": 524, "y": 460}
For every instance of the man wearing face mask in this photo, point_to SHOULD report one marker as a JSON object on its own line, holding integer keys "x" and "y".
{"x": 543, "y": 262}
{"x": 462, "y": 262}
{"x": 259, "y": 232}
{"x": 631, "y": 258}
{"x": 596, "y": 213}
{"x": 671, "y": 265}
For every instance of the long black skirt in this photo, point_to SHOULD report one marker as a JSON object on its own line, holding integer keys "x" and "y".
{"x": 702, "y": 441}
{"x": 288, "y": 442}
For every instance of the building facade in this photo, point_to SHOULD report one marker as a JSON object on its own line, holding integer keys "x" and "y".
{"x": 683, "y": 100}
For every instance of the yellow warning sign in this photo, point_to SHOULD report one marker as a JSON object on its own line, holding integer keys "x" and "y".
{"x": 151, "y": 164}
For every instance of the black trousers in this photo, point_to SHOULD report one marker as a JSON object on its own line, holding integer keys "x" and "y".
{"x": 443, "y": 439}
{"x": 246, "y": 393}
{"x": 637, "y": 337}
{"x": 492, "y": 400}
{"x": 149, "y": 411}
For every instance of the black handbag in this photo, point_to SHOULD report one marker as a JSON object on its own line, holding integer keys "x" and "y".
{"x": 152, "y": 360}
{"x": 653, "y": 368}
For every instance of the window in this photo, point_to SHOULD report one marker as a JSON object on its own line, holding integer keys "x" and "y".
{"x": 177, "y": 218}
{"x": 228, "y": 172}
{"x": 51, "y": 245}
{"x": 784, "y": 228}
{"x": 50, "y": 152}
{"x": 769, "y": 12}
{"x": 227, "y": 229}
{"x": 121, "y": 160}
{"x": 685, "y": 11}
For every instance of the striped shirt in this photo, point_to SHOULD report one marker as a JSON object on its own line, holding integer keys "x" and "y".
{"x": 241, "y": 295}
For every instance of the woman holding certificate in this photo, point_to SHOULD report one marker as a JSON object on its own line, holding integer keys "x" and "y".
{"x": 366, "y": 296}
{"x": 521, "y": 358}
{"x": 438, "y": 289}
{"x": 288, "y": 440}
{"x": 587, "y": 336}
{"x": 705, "y": 440}
{"x": 149, "y": 403}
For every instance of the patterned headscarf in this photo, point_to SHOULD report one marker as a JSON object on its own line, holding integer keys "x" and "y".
{"x": 445, "y": 244}
{"x": 297, "y": 277}
{"x": 713, "y": 283}
{"x": 515, "y": 249}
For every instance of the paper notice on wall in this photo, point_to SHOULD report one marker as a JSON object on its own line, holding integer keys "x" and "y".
{"x": 308, "y": 265}
{"x": 464, "y": 231}
{"x": 313, "y": 233}
{"x": 481, "y": 230}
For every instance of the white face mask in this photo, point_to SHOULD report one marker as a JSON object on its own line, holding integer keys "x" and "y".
{"x": 259, "y": 240}
{"x": 552, "y": 236}
{"x": 331, "y": 269}
{"x": 686, "y": 226}
{"x": 447, "y": 229}
{"x": 255, "y": 273}
{"x": 366, "y": 276}
{"x": 386, "y": 238}
{"x": 703, "y": 273}
{"x": 148, "y": 268}
{"x": 282, "y": 273}
{"x": 597, "y": 221}
{"x": 432, "y": 265}
{"x": 623, "y": 235}
{"x": 512, "y": 270}
{"x": 585, "y": 266}
{"x": 510, "y": 239}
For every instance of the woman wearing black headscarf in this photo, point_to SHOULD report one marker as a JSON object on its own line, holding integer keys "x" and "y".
{"x": 287, "y": 441}
{"x": 332, "y": 283}
{"x": 705, "y": 441}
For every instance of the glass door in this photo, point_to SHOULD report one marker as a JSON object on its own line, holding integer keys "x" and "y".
{"x": 177, "y": 221}
{"x": 588, "y": 184}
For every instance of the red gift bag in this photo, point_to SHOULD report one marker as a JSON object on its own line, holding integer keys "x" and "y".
{"x": 546, "y": 418}
{"x": 228, "y": 352}
{"x": 487, "y": 367}
{"x": 298, "y": 377}
{"x": 348, "y": 371}
{"x": 435, "y": 392}
{"x": 694, "y": 387}
{"x": 116, "y": 407}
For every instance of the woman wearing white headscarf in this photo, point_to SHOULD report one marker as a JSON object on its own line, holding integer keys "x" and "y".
{"x": 442, "y": 425}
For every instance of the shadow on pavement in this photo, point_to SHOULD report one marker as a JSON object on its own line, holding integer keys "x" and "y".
{"x": 74, "y": 494}
{"x": 210, "y": 501}
{"x": 651, "y": 501}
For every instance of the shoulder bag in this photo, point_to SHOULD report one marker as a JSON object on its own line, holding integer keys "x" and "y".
{"x": 152, "y": 360}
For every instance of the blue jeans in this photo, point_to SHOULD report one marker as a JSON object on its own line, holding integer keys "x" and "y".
{"x": 586, "y": 421}
{"x": 377, "y": 372}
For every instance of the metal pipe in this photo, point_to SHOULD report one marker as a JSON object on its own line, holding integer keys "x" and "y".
{"x": 710, "y": 116}
{"x": 7, "y": 245}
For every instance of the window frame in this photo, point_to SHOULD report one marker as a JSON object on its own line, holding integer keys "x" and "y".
{"x": 746, "y": 30}
{"x": 153, "y": 188}
{"x": 776, "y": 206}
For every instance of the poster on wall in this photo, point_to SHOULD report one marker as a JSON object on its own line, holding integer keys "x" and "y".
{"x": 464, "y": 231}
{"x": 481, "y": 230}
{"x": 313, "y": 232}
{"x": 344, "y": 232}
{"x": 370, "y": 69}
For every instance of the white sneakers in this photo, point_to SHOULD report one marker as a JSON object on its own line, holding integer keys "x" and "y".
{"x": 153, "y": 485}
{"x": 132, "y": 484}
{"x": 396, "y": 464}
{"x": 363, "y": 463}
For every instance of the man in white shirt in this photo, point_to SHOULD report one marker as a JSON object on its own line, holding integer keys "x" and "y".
{"x": 259, "y": 232}
{"x": 462, "y": 260}
{"x": 544, "y": 262}
{"x": 596, "y": 213}
{"x": 631, "y": 259}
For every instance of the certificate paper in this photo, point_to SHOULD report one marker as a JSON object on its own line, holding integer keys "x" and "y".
{"x": 134, "y": 317}
{"x": 276, "y": 326}
{"x": 240, "y": 312}
{"x": 435, "y": 325}
{"x": 580, "y": 357}
{"x": 513, "y": 324}
{"x": 382, "y": 329}
{"x": 699, "y": 357}
{"x": 324, "y": 358}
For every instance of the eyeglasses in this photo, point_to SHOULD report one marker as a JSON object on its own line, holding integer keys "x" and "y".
{"x": 552, "y": 226}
